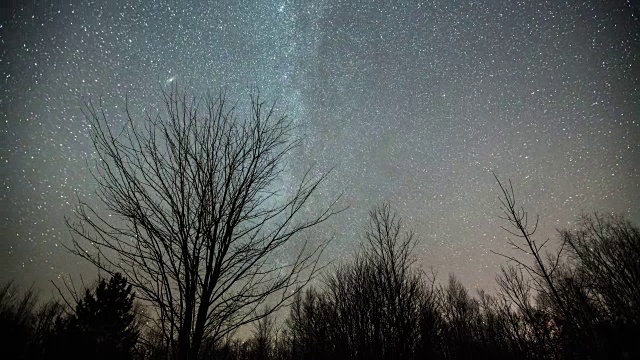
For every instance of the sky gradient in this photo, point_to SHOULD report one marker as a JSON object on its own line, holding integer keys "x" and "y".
{"x": 414, "y": 103}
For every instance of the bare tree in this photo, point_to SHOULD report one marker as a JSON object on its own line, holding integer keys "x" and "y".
{"x": 601, "y": 285}
{"x": 195, "y": 213}
{"x": 541, "y": 272}
{"x": 265, "y": 336}
{"x": 388, "y": 250}
{"x": 378, "y": 297}
{"x": 26, "y": 323}
{"x": 606, "y": 253}
{"x": 539, "y": 266}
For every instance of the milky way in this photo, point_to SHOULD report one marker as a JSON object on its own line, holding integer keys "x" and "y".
{"x": 414, "y": 103}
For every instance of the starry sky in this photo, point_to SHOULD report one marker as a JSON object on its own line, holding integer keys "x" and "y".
{"x": 412, "y": 102}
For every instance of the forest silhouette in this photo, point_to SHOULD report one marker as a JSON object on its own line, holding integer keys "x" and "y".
{"x": 380, "y": 305}
{"x": 191, "y": 263}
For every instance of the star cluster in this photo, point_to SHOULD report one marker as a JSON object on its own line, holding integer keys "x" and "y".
{"x": 412, "y": 102}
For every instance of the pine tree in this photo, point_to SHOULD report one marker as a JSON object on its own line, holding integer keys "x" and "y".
{"x": 103, "y": 326}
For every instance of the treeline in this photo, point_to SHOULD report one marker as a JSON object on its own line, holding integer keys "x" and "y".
{"x": 101, "y": 323}
{"x": 581, "y": 302}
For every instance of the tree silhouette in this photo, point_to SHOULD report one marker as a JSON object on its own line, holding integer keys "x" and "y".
{"x": 310, "y": 329}
{"x": 199, "y": 214}
{"x": 582, "y": 301}
{"x": 27, "y": 325}
{"x": 606, "y": 252}
{"x": 533, "y": 272}
{"x": 103, "y": 325}
{"x": 262, "y": 345}
{"x": 16, "y": 313}
{"x": 601, "y": 285}
{"x": 371, "y": 304}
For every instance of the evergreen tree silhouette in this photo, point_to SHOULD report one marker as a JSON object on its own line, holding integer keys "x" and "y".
{"x": 104, "y": 325}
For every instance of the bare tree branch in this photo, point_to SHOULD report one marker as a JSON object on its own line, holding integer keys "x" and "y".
{"x": 194, "y": 213}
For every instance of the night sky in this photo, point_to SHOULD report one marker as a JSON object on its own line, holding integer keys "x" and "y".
{"x": 414, "y": 103}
